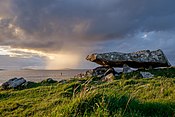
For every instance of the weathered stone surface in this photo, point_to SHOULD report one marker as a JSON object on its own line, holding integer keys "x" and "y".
{"x": 126, "y": 69}
{"x": 28, "y": 84}
{"x": 102, "y": 71}
{"x": 49, "y": 80}
{"x": 108, "y": 78}
{"x": 13, "y": 83}
{"x": 144, "y": 58}
{"x": 63, "y": 81}
{"x": 89, "y": 73}
{"x": 146, "y": 74}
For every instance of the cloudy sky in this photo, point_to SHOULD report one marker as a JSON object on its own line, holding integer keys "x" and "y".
{"x": 56, "y": 34}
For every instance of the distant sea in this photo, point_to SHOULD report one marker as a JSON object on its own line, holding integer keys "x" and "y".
{"x": 39, "y": 75}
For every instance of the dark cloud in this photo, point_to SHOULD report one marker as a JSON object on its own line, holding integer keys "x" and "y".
{"x": 52, "y": 25}
{"x": 112, "y": 17}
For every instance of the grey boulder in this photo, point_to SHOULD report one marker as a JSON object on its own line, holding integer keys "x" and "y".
{"x": 140, "y": 59}
{"x": 146, "y": 74}
{"x": 13, "y": 83}
{"x": 103, "y": 71}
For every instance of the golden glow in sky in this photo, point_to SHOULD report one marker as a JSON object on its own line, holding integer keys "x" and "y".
{"x": 59, "y": 60}
{"x": 62, "y": 61}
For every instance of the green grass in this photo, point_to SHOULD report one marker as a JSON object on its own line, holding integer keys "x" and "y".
{"x": 127, "y": 96}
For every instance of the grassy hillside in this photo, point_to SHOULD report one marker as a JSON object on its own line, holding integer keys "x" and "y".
{"x": 128, "y": 95}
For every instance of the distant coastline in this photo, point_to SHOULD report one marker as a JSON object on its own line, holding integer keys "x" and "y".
{"x": 38, "y": 75}
{"x": 66, "y": 69}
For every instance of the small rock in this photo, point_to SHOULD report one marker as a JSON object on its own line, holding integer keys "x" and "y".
{"x": 89, "y": 73}
{"x": 49, "y": 80}
{"x": 146, "y": 74}
{"x": 99, "y": 71}
{"x": 62, "y": 81}
{"x": 103, "y": 71}
{"x": 110, "y": 77}
{"x": 28, "y": 84}
{"x": 126, "y": 69}
{"x": 110, "y": 70}
{"x": 5, "y": 85}
{"x": 116, "y": 75}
